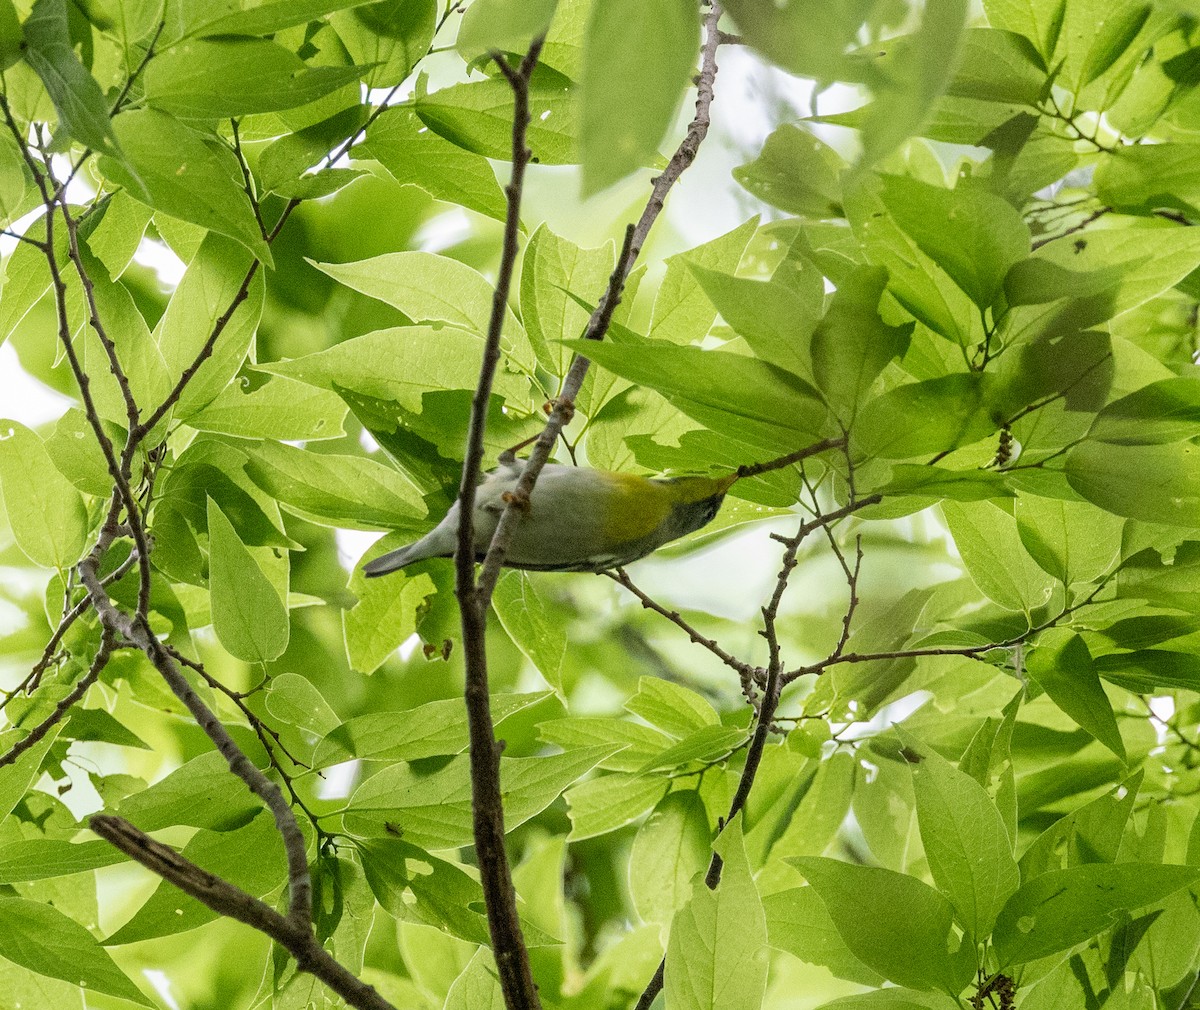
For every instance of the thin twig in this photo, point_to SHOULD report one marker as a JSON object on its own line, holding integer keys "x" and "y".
{"x": 564, "y": 404}
{"x": 746, "y": 671}
{"x": 754, "y": 469}
{"x": 225, "y": 899}
{"x": 487, "y": 801}
{"x": 99, "y": 662}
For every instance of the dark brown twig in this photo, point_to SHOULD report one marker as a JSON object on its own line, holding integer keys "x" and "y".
{"x": 226, "y": 899}
{"x": 487, "y": 801}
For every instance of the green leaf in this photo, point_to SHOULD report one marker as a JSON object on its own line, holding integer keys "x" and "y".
{"x": 999, "y": 66}
{"x": 430, "y": 730}
{"x": 893, "y": 923}
{"x": 790, "y": 37}
{"x": 1038, "y": 22}
{"x": 670, "y": 848}
{"x": 966, "y": 842}
{"x": 477, "y": 116}
{"x": 610, "y": 802}
{"x": 1164, "y": 411}
{"x": 14, "y": 179}
{"x": 506, "y": 25}
{"x": 682, "y": 312}
{"x": 80, "y": 104}
{"x": 434, "y": 809}
{"x": 1146, "y": 177}
{"x": 279, "y": 409}
{"x": 718, "y": 380}
{"x": 1059, "y": 909}
{"x": 987, "y": 539}
{"x": 1062, "y": 665}
{"x": 637, "y": 59}
{"x": 16, "y": 778}
{"x": 45, "y": 511}
{"x": 531, "y": 620}
{"x": 389, "y": 37}
{"x": 401, "y": 364}
{"x": 1150, "y": 669}
{"x": 188, "y": 174}
{"x": 117, "y": 237}
{"x": 478, "y": 987}
{"x": 798, "y": 922}
{"x": 285, "y": 162}
{"x": 551, "y": 267}
{"x": 251, "y": 858}
{"x": 37, "y": 859}
{"x": 11, "y": 35}
{"x": 972, "y": 234}
{"x": 638, "y": 742}
{"x": 933, "y": 416}
{"x": 939, "y": 482}
{"x": 39, "y": 937}
{"x": 272, "y": 16}
{"x": 776, "y": 318}
{"x": 1073, "y": 541}
{"x": 671, "y": 707}
{"x": 414, "y": 886}
{"x": 221, "y": 78}
{"x": 352, "y": 492}
{"x": 248, "y": 615}
{"x": 202, "y": 793}
{"x": 852, "y": 344}
{"x": 387, "y": 611}
{"x": 797, "y": 173}
{"x": 716, "y": 955}
{"x": 416, "y": 156}
{"x": 1158, "y": 483}
{"x": 707, "y": 744}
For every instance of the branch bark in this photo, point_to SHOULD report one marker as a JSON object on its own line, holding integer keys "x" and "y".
{"x": 487, "y": 803}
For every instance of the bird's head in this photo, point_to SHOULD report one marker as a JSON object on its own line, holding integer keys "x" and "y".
{"x": 697, "y": 499}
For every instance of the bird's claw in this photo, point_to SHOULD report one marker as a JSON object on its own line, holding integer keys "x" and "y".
{"x": 562, "y": 405}
{"x": 518, "y": 499}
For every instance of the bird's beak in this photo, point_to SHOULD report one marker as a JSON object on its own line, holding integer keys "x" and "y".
{"x": 726, "y": 482}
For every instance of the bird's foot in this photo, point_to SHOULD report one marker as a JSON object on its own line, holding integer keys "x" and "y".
{"x": 517, "y": 499}
{"x": 562, "y": 405}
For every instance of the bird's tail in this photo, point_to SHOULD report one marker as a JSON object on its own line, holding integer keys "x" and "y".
{"x": 393, "y": 561}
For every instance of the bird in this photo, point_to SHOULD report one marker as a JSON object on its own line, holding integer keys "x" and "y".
{"x": 578, "y": 519}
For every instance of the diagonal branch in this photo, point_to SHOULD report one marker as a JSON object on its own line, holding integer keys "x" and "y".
{"x": 226, "y": 899}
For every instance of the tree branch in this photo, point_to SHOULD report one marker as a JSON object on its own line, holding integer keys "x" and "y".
{"x": 564, "y": 404}
{"x": 487, "y": 802}
{"x": 226, "y": 899}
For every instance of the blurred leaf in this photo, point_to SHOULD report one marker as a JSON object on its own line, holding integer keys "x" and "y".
{"x": 797, "y": 173}
{"x": 248, "y": 616}
{"x": 716, "y": 954}
{"x": 788, "y": 35}
{"x": 1059, "y": 909}
{"x": 999, "y": 66}
{"x": 430, "y": 730}
{"x": 798, "y": 922}
{"x": 45, "y": 511}
{"x": 670, "y": 848}
{"x": 637, "y": 60}
{"x": 273, "y": 15}
{"x": 39, "y": 937}
{"x": 939, "y": 482}
{"x": 638, "y": 742}
{"x": 415, "y": 155}
{"x": 35, "y": 859}
{"x": 852, "y": 344}
{"x": 506, "y": 25}
{"x": 1164, "y": 411}
{"x": 991, "y": 549}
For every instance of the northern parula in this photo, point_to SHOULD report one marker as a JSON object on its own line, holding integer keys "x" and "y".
{"x": 577, "y": 520}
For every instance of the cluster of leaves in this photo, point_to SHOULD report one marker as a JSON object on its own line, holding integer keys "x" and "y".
{"x": 989, "y": 316}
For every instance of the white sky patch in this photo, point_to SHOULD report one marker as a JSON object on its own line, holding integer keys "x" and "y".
{"x": 352, "y": 545}
{"x": 337, "y": 781}
{"x": 161, "y": 983}
{"x": 160, "y": 258}
{"x": 444, "y": 231}
{"x": 23, "y": 397}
